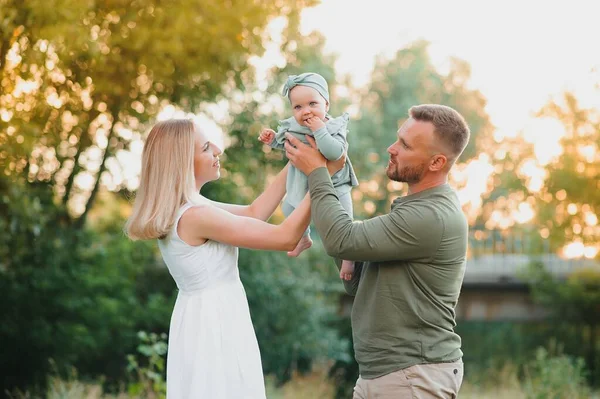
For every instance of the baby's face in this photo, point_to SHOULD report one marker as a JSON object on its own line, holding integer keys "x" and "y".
{"x": 306, "y": 103}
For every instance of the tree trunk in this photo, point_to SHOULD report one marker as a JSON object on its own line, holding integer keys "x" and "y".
{"x": 82, "y": 145}
{"x": 80, "y": 222}
{"x": 592, "y": 355}
{"x": 4, "y": 47}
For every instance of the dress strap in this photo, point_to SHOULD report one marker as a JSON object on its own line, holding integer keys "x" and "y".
{"x": 180, "y": 213}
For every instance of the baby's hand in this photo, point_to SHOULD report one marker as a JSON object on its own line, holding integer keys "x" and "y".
{"x": 314, "y": 123}
{"x": 267, "y": 136}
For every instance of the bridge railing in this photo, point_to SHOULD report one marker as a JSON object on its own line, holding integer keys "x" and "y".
{"x": 496, "y": 256}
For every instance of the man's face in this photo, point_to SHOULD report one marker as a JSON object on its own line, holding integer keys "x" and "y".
{"x": 410, "y": 155}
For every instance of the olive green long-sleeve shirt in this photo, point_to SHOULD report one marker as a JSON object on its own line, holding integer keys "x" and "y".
{"x": 409, "y": 267}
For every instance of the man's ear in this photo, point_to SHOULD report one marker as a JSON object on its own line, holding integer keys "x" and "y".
{"x": 438, "y": 162}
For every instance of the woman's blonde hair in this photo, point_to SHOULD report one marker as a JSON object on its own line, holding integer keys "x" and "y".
{"x": 167, "y": 179}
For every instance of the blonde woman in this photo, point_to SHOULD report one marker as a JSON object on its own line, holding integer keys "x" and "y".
{"x": 213, "y": 351}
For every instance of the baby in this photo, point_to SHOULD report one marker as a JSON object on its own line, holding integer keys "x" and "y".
{"x": 309, "y": 97}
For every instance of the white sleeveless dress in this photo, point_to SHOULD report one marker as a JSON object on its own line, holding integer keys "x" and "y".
{"x": 212, "y": 352}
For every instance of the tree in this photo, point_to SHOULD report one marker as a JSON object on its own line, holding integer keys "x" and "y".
{"x": 561, "y": 193}
{"x": 408, "y": 79}
{"x": 569, "y": 203}
{"x": 77, "y": 305}
{"x": 80, "y": 79}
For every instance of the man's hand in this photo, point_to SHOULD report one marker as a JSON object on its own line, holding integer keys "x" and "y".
{"x": 335, "y": 166}
{"x": 267, "y": 136}
{"x": 314, "y": 123}
{"x": 307, "y": 158}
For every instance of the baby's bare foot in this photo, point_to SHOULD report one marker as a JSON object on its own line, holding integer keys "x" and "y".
{"x": 304, "y": 243}
{"x": 347, "y": 270}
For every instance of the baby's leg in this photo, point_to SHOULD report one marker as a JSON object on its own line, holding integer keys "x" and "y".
{"x": 347, "y": 269}
{"x": 305, "y": 242}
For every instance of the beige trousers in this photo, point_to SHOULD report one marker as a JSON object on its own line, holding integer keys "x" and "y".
{"x": 423, "y": 381}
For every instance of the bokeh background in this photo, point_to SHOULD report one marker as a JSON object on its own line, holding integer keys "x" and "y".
{"x": 84, "y": 312}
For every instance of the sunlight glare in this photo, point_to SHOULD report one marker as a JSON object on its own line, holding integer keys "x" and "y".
{"x": 524, "y": 213}
{"x": 545, "y": 135}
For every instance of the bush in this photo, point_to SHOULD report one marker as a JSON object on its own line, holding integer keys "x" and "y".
{"x": 294, "y": 305}
{"x": 148, "y": 370}
{"x": 555, "y": 377}
{"x": 73, "y": 295}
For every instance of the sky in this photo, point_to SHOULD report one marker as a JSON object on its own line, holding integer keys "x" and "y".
{"x": 521, "y": 53}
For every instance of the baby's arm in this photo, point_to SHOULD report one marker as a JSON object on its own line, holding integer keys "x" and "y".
{"x": 267, "y": 136}
{"x": 332, "y": 147}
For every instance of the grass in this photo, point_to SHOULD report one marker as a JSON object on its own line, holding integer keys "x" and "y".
{"x": 310, "y": 386}
{"x": 314, "y": 385}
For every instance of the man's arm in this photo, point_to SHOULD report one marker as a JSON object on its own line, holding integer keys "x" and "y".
{"x": 400, "y": 235}
{"x": 406, "y": 233}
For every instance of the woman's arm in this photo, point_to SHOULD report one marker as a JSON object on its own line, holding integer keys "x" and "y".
{"x": 203, "y": 222}
{"x": 265, "y": 204}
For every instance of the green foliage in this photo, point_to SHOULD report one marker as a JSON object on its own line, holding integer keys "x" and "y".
{"x": 80, "y": 79}
{"x": 500, "y": 354}
{"x": 344, "y": 371}
{"x": 573, "y": 177}
{"x": 491, "y": 346}
{"x": 149, "y": 372}
{"x": 576, "y": 301}
{"x": 555, "y": 377}
{"x": 70, "y": 295}
{"x": 294, "y": 304}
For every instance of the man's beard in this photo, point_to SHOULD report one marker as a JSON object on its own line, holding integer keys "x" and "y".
{"x": 408, "y": 174}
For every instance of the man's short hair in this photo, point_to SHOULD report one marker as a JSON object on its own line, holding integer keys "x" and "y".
{"x": 450, "y": 127}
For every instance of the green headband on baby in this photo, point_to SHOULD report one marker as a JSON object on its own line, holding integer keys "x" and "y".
{"x": 308, "y": 79}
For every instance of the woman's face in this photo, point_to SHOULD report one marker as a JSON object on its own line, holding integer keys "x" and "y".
{"x": 206, "y": 159}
